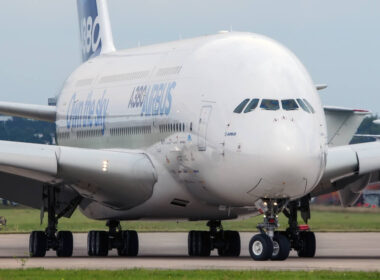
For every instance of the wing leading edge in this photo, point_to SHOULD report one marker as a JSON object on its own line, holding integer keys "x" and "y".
{"x": 30, "y": 111}
{"x": 119, "y": 179}
{"x": 349, "y": 169}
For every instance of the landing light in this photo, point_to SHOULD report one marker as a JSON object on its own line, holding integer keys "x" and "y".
{"x": 105, "y": 166}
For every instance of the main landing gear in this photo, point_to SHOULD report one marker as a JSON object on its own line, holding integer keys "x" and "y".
{"x": 276, "y": 245}
{"x": 301, "y": 238}
{"x": 201, "y": 243}
{"x": 125, "y": 241}
{"x": 42, "y": 241}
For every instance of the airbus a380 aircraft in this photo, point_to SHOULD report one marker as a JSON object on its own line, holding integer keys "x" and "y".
{"x": 210, "y": 128}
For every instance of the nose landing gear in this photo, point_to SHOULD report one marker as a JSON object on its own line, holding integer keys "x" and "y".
{"x": 270, "y": 244}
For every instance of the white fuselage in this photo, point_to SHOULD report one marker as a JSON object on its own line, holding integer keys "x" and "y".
{"x": 175, "y": 101}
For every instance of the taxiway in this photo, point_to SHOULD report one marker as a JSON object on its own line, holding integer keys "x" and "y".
{"x": 335, "y": 251}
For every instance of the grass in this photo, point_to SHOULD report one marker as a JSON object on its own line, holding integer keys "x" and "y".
{"x": 331, "y": 219}
{"x": 182, "y": 274}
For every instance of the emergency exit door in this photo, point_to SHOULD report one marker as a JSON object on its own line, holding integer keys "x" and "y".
{"x": 202, "y": 127}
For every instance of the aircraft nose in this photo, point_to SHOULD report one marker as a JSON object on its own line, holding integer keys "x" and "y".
{"x": 289, "y": 161}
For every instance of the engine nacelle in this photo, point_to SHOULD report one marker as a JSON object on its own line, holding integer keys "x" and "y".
{"x": 118, "y": 179}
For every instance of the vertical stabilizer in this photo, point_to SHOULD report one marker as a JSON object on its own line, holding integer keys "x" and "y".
{"x": 94, "y": 28}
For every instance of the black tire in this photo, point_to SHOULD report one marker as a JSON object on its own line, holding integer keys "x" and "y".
{"x": 65, "y": 244}
{"x": 97, "y": 243}
{"x": 129, "y": 244}
{"x": 90, "y": 243}
{"x": 308, "y": 244}
{"x": 37, "y": 244}
{"x": 281, "y": 247}
{"x": 261, "y": 247}
{"x": 199, "y": 243}
{"x": 232, "y": 243}
{"x": 190, "y": 243}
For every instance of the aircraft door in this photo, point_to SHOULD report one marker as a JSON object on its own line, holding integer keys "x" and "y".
{"x": 202, "y": 127}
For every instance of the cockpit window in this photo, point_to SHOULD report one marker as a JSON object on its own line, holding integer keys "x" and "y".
{"x": 252, "y": 105}
{"x": 303, "y": 105}
{"x": 270, "y": 104}
{"x": 309, "y": 105}
{"x": 289, "y": 104}
{"x": 241, "y": 106}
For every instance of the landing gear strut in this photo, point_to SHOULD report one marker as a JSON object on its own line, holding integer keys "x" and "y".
{"x": 270, "y": 244}
{"x": 201, "y": 243}
{"x": 42, "y": 241}
{"x": 125, "y": 241}
{"x": 301, "y": 238}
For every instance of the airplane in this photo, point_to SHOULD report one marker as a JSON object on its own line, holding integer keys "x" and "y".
{"x": 213, "y": 128}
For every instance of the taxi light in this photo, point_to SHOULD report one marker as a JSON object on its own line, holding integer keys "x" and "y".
{"x": 105, "y": 166}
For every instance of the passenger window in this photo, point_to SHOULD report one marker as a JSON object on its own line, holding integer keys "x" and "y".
{"x": 270, "y": 104}
{"x": 309, "y": 105}
{"x": 303, "y": 105}
{"x": 289, "y": 104}
{"x": 241, "y": 106}
{"x": 252, "y": 105}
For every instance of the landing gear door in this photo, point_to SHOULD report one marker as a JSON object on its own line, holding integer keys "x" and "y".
{"x": 202, "y": 127}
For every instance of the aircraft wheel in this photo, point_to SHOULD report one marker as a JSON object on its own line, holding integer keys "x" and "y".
{"x": 261, "y": 247}
{"x": 308, "y": 246}
{"x": 199, "y": 243}
{"x": 65, "y": 244}
{"x": 37, "y": 244}
{"x": 232, "y": 244}
{"x": 97, "y": 243}
{"x": 281, "y": 247}
{"x": 129, "y": 244}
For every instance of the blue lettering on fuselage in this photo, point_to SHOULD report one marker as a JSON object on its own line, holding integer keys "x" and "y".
{"x": 87, "y": 113}
{"x": 153, "y": 99}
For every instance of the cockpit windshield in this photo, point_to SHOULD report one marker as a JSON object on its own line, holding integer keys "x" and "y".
{"x": 252, "y": 105}
{"x": 274, "y": 105}
{"x": 241, "y": 106}
{"x": 270, "y": 104}
{"x": 289, "y": 104}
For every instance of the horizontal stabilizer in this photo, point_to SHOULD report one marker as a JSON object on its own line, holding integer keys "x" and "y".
{"x": 30, "y": 111}
{"x": 342, "y": 124}
{"x": 320, "y": 86}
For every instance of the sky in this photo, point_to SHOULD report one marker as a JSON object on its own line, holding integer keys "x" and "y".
{"x": 338, "y": 41}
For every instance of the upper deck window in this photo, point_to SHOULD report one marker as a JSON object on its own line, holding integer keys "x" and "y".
{"x": 270, "y": 104}
{"x": 303, "y": 105}
{"x": 309, "y": 105}
{"x": 241, "y": 106}
{"x": 252, "y": 105}
{"x": 289, "y": 104}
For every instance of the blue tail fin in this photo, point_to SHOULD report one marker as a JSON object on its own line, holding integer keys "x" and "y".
{"x": 95, "y": 28}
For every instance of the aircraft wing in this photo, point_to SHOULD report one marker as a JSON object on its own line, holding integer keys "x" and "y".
{"x": 30, "y": 111}
{"x": 349, "y": 169}
{"x": 119, "y": 179}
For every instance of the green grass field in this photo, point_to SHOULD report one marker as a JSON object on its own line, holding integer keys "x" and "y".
{"x": 181, "y": 274}
{"x": 325, "y": 219}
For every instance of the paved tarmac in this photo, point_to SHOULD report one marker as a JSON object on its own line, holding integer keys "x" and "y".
{"x": 335, "y": 251}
